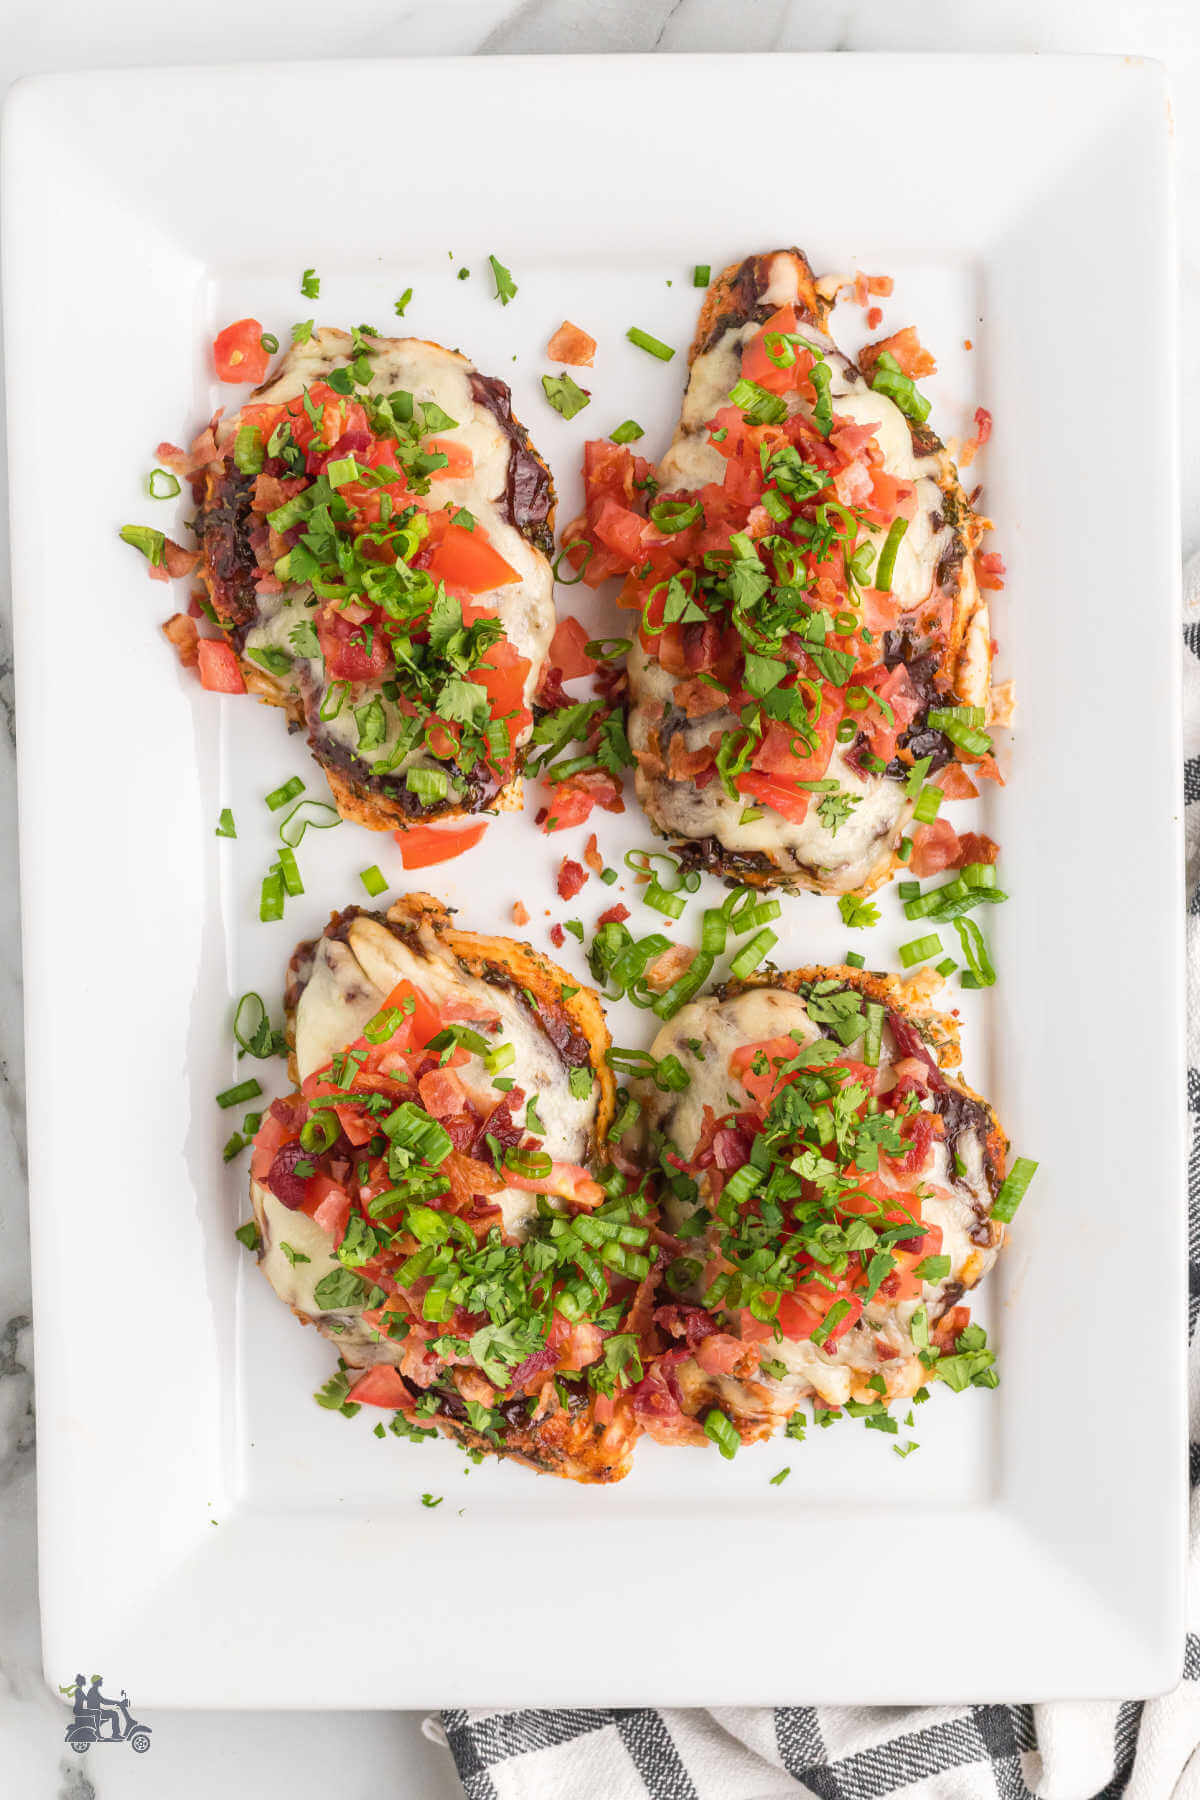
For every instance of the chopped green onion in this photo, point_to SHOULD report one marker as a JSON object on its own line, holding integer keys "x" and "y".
{"x": 225, "y": 825}
{"x": 270, "y": 905}
{"x": 654, "y": 345}
{"x": 663, "y": 900}
{"x": 245, "y": 1090}
{"x": 904, "y": 849}
{"x": 317, "y": 813}
{"x": 320, "y": 1131}
{"x": 402, "y": 302}
{"x": 855, "y": 959}
{"x": 701, "y": 275}
{"x": 887, "y": 556}
{"x": 975, "y": 953}
{"x": 499, "y": 1058}
{"x": 888, "y": 378}
{"x": 919, "y": 950}
{"x": 752, "y": 953}
{"x": 960, "y": 725}
{"x": 429, "y": 785}
{"x": 928, "y": 801}
{"x": 249, "y": 452}
{"x": 628, "y": 432}
{"x": 373, "y": 880}
{"x": 280, "y": 796}
{"x": 233, "y": 1146}
{"x": 535, "y": 1165}
{"x": 908, "y": 890}
{"x": 336, "y": 688}
{"x": 1012, "y": 1188}
{"x": 156, "y": 490}
{"x": 947, "y": 966}
{"x": 290, "y": 872}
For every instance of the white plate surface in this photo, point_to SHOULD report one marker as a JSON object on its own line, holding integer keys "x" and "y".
{"x": 205, "y": 1530}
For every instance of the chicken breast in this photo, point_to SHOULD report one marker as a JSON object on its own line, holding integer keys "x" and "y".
{"x": 417, "y": 1196}
{"x": 830, "y": 1188}
{"x": 392, "y": 474}
{"x": 804, "y": 561}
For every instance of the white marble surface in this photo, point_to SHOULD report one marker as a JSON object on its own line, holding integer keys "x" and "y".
{"x": 360, "y": 1754}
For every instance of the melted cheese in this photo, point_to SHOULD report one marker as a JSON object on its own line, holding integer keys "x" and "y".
{"x": 525, "y": 607}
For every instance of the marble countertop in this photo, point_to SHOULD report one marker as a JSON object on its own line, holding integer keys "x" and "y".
{"x": 305, "y": 1754}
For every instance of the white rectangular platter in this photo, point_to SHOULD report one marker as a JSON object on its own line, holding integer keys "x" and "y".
{"x": 206, "y": 1532}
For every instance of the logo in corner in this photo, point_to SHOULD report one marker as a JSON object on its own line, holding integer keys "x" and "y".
{"x": 100, "y": 1720}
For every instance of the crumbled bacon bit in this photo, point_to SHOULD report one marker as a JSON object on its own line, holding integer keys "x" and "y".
{"x": 571, "y": 877}
{"x": 520, "y": 913}
{"x": 182, "y": 633}
{"x": 989, "y": 571}
{"x": 557, "y": 936}
{"x": 592, "y": 856}
{"x": 979, "y": 437}
{"x": 976, "y": 847}
{"x": 616, "y": 915}
{"x": 571, "y": 345}
{"x": 874, "y": 317}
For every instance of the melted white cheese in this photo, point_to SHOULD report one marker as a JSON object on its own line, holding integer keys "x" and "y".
{"x": 525, "y": 607}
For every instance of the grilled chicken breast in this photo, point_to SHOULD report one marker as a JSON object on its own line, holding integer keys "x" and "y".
{"x": 830, "y": 1193}
{"x": 803, "y": 558}
{"x": 451, "y": 1089}
{"x": 390, "y": 473}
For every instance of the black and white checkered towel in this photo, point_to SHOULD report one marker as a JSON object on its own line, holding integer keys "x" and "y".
{"x": 1094, "y": 1750}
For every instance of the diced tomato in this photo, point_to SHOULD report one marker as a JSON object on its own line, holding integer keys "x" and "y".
{"x": 619, "y": 530}
{"x": 567, "y": 652}
{"x": 935, "y": 847}
{"x": 572, "y": 346}
{"x": 891, "y": 498}
{"x": 574, "y": 799}
{"x": 758, "y": 367}
{"x": 789, "y": 802}
{"x": 460, "y": 464}
{"x": 382, "y": 1385}
{"x": 801, "y": 1312}
{"x": 764, "y": 1084}
{"x": 423, "y": 845}
{"x": 328, "y": 1205}
{"x": 344, "y": 645}
{"x": 358, "y": 1125}
{"x": 442, "y": 1093}
{"x": 238, "y": 352}
{"x": 218, "y": 664}
{"x": 774, "y": 756}
{"x": 614, "y": 915}
{"x": 466, "y": 559}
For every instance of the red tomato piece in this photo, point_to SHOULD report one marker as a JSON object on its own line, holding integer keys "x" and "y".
{"x": 567, "y": 650}
{"x": 238, "y": 352}
{"x": 219, "y": 669}
{"x": 789, "y": 802}
{"x": 423, "y": 845}
{"x": 381, "y": 1386}
{"x": 344, "y": 645}
{"x": 468, "y": 560}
